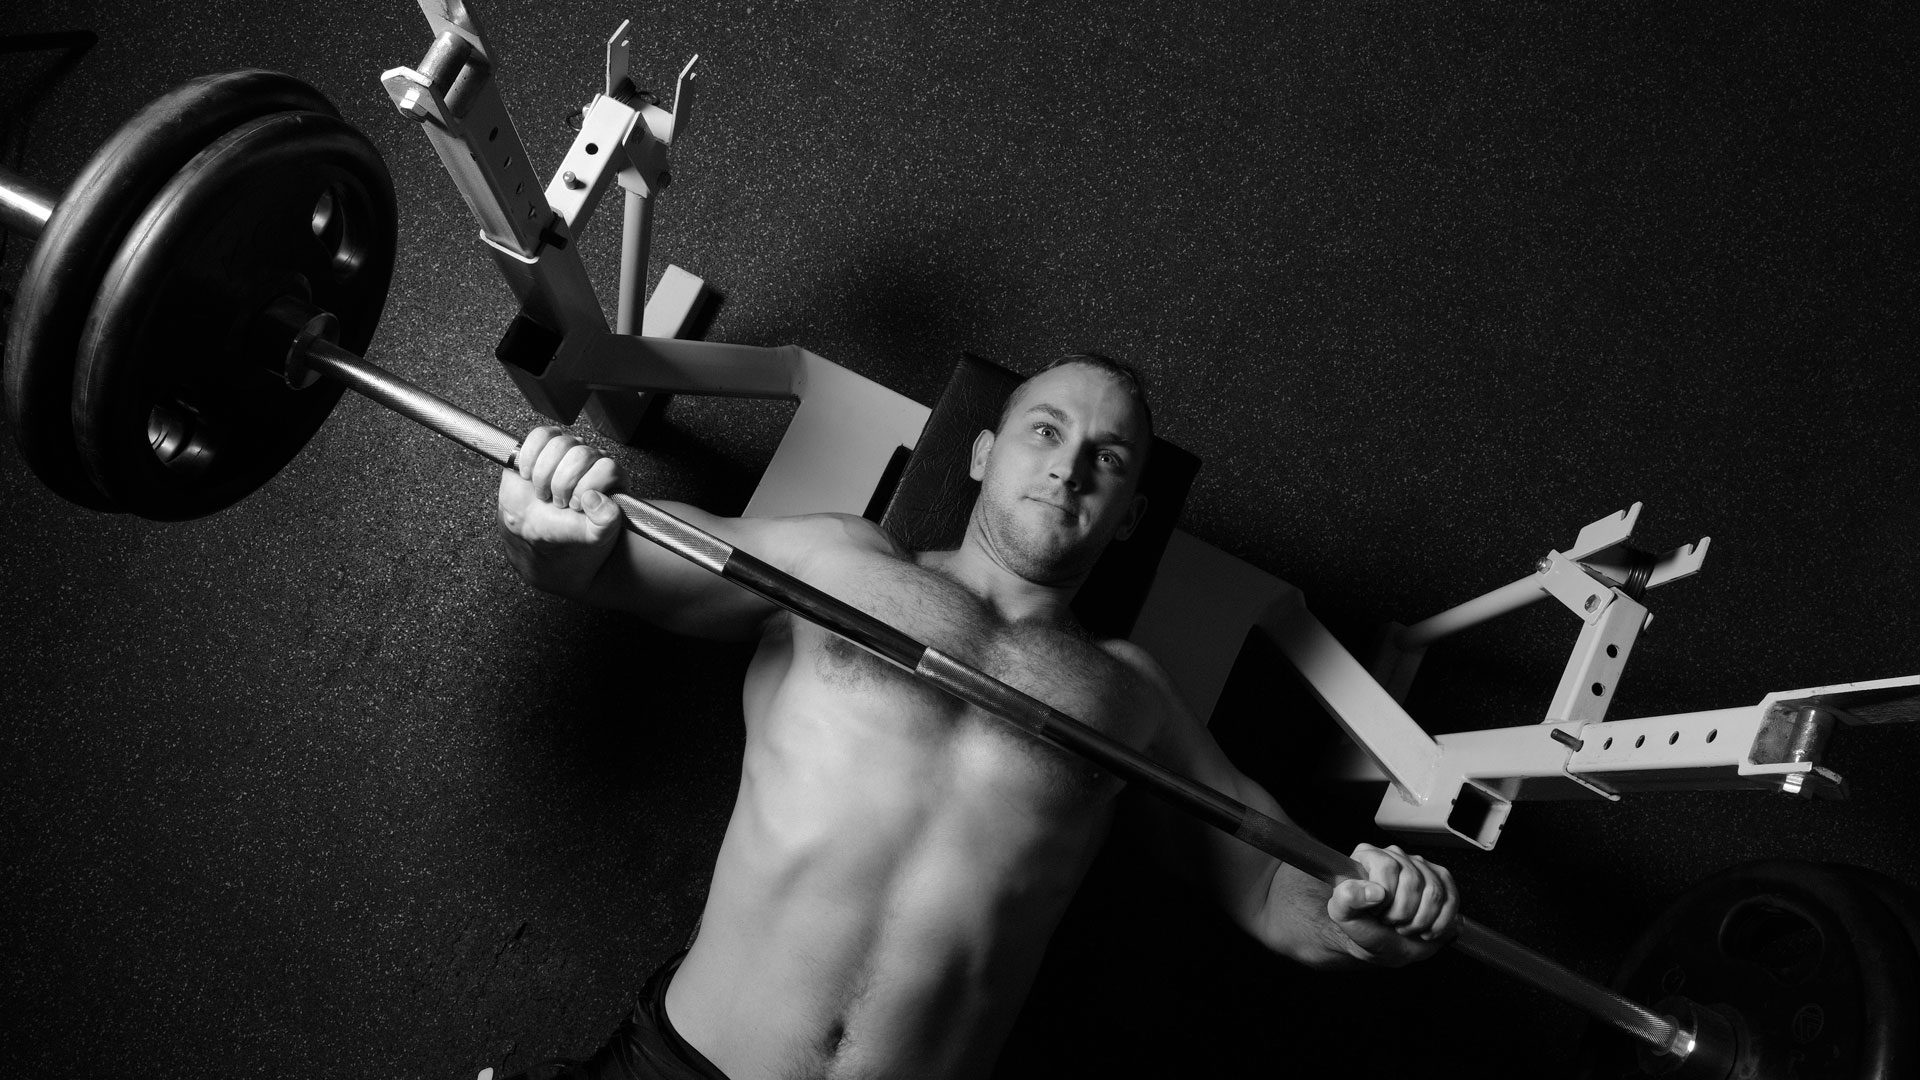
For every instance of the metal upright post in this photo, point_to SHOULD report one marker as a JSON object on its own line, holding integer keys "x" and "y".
{"x": 636, "y": 229}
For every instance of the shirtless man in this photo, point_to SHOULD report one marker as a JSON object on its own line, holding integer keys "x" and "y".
{"x": 897, "y": 860}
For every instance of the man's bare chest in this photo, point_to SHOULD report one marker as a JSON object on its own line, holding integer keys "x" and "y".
{"x": 1055, "y": 664}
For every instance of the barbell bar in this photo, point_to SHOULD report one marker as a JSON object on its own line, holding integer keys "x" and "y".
{"x": 310, "y": 350}
{"x": 286, "y": 347}
{"x": 24, "y": 205}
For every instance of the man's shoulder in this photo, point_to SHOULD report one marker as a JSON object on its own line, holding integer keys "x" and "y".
{"x": 811, "y": 536}
{"x": 1154, "y": 688}
{"x": 1132, "y": 657}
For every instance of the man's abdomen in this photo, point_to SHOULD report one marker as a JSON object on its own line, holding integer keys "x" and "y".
{"x": 884, "y": 892}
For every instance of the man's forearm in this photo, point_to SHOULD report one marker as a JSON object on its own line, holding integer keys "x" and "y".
{"x": 1295, "y": 922}
{"x": 1399, "y": 908}
{"x": 1283, "y": 907}
{"x": 617, "y": 583}
{"x": 665, "y": 588}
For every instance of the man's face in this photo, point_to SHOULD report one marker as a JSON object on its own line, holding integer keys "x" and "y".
{"x": 1059, "y": 479}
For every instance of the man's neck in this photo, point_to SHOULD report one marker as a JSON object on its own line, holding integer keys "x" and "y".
{"x": 1012, "y": 597}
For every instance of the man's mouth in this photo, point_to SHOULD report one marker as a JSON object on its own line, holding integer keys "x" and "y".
{"x": 1061, "y": 507}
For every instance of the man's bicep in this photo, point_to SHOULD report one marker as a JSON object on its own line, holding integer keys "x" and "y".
{"x": 1235, "y": 874}
{"x": 1181, "y": 740}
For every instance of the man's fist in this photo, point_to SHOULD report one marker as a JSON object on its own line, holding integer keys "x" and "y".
{"x": 556, "y": 519}
{"x": 1405, "y": 909}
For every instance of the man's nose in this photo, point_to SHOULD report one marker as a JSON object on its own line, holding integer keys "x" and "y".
{"x": 1069, "y": 469}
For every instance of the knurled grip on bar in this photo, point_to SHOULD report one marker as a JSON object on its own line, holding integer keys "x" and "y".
{"x": 1282, "y": 840}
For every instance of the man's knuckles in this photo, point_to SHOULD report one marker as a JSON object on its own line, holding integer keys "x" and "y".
{"x": 1357, "y": 899}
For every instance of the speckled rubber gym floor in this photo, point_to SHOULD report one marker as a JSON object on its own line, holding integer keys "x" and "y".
{"x": 316, "y": 788}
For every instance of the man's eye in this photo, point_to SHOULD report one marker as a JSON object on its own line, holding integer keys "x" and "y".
{"x": 1045, "y": 431}
{"x": 1110, "y": 458}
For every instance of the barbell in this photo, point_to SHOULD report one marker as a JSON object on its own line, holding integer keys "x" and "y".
{"x": 196, "y": 304}
{"x": 1812, "y": 969}
{"x": 126, "y": 385}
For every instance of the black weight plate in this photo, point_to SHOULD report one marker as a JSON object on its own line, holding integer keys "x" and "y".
{"x": 1822, "y": 974}
{"x": 1900, "y": 898}
{"x": 62, "y": 277}
{"x": 176, "y": 411}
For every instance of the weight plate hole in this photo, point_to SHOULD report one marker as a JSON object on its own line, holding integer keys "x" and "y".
{"x": 177, "y": 440}
{"x": 1673, "y": 738}
{"x": 345, "y": 248}
{"x": 1639, "y": 742}
{"x": 1673, "y": 979}
{"x": 593, "y": 148}
{"x": 1713, "y": 734}
{"x": 1777, "y": 940}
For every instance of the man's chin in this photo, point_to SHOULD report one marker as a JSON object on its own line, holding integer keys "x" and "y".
{"x": 1055, "y": 564}
{"x": 1046, "y": 549}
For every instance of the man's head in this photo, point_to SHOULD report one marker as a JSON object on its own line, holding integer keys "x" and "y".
{"x": 1059, "y": 478}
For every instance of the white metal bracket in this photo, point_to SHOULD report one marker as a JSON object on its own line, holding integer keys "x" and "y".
{"x": 1596, "y": 574}
{"x": 1566, "y": 581}
{"x": 1604, "y": 549}
{"x": 530, "y": 227}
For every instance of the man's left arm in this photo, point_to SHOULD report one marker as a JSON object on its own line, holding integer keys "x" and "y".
{"x": 1405, "y": 909}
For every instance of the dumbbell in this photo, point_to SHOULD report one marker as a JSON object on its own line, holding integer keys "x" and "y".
{"x": 195, "y": 306}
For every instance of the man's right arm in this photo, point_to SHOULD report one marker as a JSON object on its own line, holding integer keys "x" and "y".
{"x": 1402, "y": 910}
{"x": 565, "y": 536}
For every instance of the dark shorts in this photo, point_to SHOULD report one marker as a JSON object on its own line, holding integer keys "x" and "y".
{"x": 644, "y": 1047}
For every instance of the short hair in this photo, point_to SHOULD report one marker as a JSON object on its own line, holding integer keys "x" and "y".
{"x": 1121, "y": 372}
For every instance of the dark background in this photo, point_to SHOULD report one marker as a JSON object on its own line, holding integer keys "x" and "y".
{"x": 317, "y": 788}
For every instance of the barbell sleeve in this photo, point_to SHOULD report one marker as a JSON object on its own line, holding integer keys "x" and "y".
{"x": 1280, "y": 839}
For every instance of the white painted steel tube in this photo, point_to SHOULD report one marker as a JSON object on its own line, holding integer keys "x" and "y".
{"x": 1506, "y": 598}
{"x": 635, "y": 236}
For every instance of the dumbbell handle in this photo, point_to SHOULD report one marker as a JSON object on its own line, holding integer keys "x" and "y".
{"x": 1280, "y": 839}
{"x": 25, "y": 206}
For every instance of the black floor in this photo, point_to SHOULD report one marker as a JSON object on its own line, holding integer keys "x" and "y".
{"x": 316, "y": 788}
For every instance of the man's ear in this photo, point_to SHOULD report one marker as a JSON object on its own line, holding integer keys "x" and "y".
{"x": 1134, "y": 515}
{"x": 982, "y": 446}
